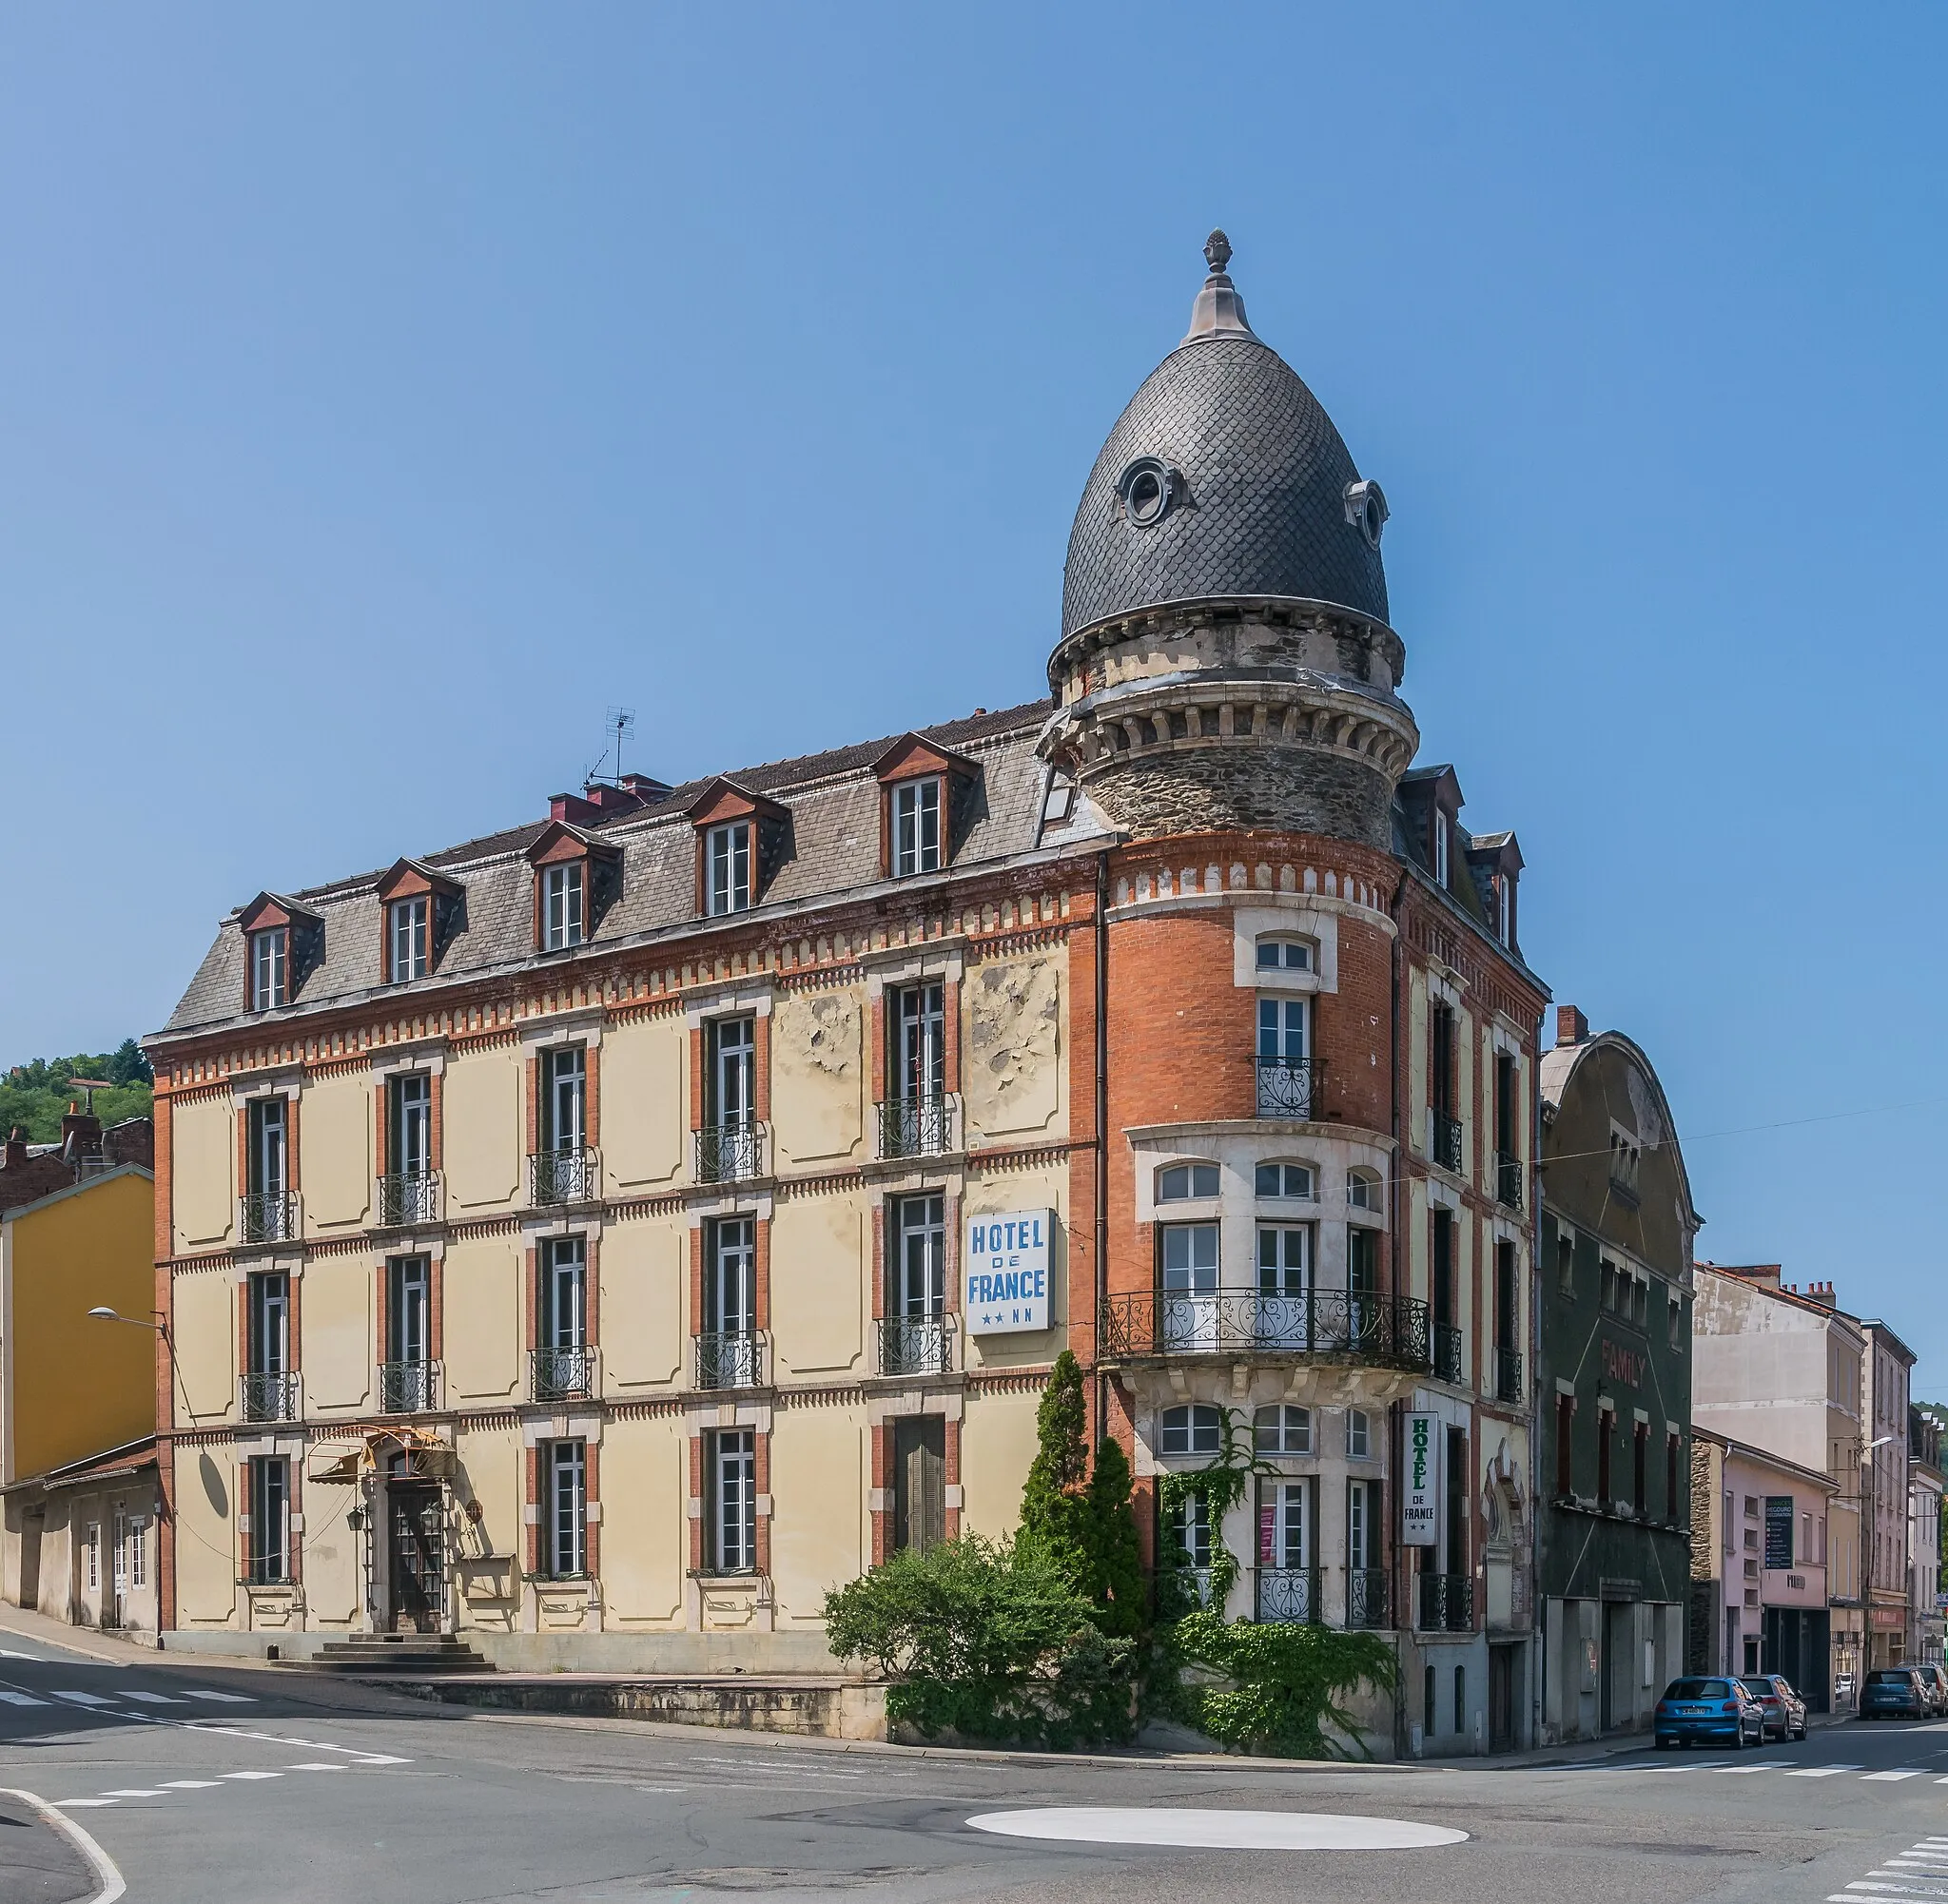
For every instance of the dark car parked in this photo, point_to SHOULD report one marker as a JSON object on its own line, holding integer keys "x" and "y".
{"x": 1896, "y": 1692}
{"x": 1720, "y": 1712}
{"x": 1783, "y": 1710}
{"x": 1937, "y": 1676}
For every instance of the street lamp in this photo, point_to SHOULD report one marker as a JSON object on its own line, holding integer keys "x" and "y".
{"x": 102, "y": 1312}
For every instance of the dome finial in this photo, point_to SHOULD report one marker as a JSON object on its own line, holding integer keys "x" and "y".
{"x": 1220, "y": 311}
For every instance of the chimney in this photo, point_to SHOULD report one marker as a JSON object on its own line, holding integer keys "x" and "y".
{"x": 1821, "y": 1294}
{"x": 1571, "y": 1026}
{"x": 16, "y": 1148}
{"x": 81, "y": 1135}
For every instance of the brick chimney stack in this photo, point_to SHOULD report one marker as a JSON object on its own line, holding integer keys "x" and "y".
{"x": 81, "y": 1134}
{"x": 16, "y": 1149}
{"x": 1571, "y": 1026}
{"x": 1821, "y": 1294}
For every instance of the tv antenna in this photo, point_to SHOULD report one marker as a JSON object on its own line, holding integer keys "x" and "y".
{"x": 621, "y": 720}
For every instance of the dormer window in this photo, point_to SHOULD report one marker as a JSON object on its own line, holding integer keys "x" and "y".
{"x": 1186, "y": 1182}
{"x": 410, "y": 937}
{"x": 269, "y": 968}
{"x": 1442, "y": 829}
{"x": 564, "y": 909}
{"x": 727, "y": 852}
{"x": 916, "y": 827}
{"x": 1505, "y": 911}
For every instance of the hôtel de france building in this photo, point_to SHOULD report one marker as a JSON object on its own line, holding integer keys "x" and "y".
{"x": 599, "y": 1239}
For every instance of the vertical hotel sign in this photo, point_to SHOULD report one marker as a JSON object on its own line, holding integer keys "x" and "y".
{"x": 1420, "y": 1495}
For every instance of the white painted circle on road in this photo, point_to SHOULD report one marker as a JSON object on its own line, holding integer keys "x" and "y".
{"x": 1218, "y": 1831}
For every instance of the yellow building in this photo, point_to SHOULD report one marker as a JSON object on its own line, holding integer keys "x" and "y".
{"x": 75, "y": 1387}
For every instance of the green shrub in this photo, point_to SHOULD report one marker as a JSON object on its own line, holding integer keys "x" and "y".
{"x": 988, "y": 1642}
{"x": 1282, "y": 1686}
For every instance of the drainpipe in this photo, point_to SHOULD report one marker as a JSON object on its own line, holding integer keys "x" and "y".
{"x": 1397, "y": 1554}
{"x": 1101, "y": 1137}
{"x": 1538, "y": 1647}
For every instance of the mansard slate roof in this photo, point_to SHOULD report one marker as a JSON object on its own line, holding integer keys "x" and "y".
{"x": 832, "y": 850}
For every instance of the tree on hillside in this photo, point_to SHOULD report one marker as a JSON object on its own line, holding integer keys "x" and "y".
{"x": 35, "y": 1096}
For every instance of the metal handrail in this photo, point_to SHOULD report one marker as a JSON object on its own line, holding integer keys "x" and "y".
{"x": 1366, "y": 1597}
{"x": 916, "y": 1345}
{"x": 268, "y": 1216}
{"x": 1444, "y": 1135}
{"x": 408, "y": 1388}
{"x": 267, "y": 1398}
{"x": 1507, "y": 1375}
{"x": 407, "y": 1197}
{"x": 1287, "y": 1087}
{"x": 731, "y": 1358}
{"x": 561, "y": 1374}
{"x": 1447, "y": 1602}
{"x": 1509, "y": 1179}
{"x": 563, "y": 1175}
{"x": 728, "y": 1152}
{"x": 1326, "y": 1323}
{"x": 1289, "y": 1595}
{"x": 1447, "y": 1353}
{"x": 920, "y": 1126}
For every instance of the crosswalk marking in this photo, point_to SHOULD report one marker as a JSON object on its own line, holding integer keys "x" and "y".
{"x": 153, "y": 1698}
{"x": 1893, "y": 1778}
{"x": 134, "y": 1792}
{"x": 253, "y": 1774}
{"x": 20, "y": 1698}
{"x": 83, "y": 1698}
{"x": 1822, "y": 1771}
{"x": 228, "y": 1699}
{"x": 190, "y": 1785}
{"x": 1739, "y": 1771}
{"x": 76, "y": 1804}
{"x": 35, "y": 1657}
{"x": 314, "y": 1765}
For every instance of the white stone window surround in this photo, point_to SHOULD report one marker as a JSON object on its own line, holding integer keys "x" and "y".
{"x": 577, "y": 1027}
{"x": 426, "y": 1055}
{"x": 728, "y": 1001}
{"x": 283, "y": 1081}
{"x": 943, "y": 960}
{"x": 1280, "y": 916}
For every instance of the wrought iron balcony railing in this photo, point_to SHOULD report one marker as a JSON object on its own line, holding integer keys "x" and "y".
{"x": 729, "y": 1152}
{"x": 561, "y": 1374}
{"x": 916, "y": 1126}
{"x": 1447, "y": 1602}
{"x": 1366, "y": 1597}
{"x": 564, "y": 1175}
{"x": 407, "y": 1198}
{"x": 916, "y": 1345}
{"x": 1444, "y": 1140}
{"x": 1355, "y": 1327}
{"x": 730, "y": 1359}
{"x": 268, "y": 1216}
{"x": 1509, "y": 1179}
{"x": 1289, "y": 1595}
{"x": 1287, "y": 1087}
{"x": 408, "y": 1388}
{"x": 1178, "y": 1589}
{"x": 1447, "y": 1353}
{"x": 267, "y": 1398}
{"x": 1507, "y": 1375}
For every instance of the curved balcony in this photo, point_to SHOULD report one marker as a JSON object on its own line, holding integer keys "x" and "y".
{"x": 1287, "y": 1087}
{"x": 1390, "y": 1330}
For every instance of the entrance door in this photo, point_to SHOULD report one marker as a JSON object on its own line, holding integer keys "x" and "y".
{"x": 1501, "y": 1699}
{"x": 418, "y": 1556}
{"x": 920, "y": 1476}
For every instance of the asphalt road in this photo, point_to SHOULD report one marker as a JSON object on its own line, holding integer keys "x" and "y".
{"x": 310, "y": 1791}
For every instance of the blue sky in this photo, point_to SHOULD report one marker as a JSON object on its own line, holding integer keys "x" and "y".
{"x": 384, "y": 392}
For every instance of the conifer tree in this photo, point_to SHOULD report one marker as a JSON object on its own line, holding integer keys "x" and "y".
{"x": 1117, "y": 1560}
{"x": 1055, "y": 1508}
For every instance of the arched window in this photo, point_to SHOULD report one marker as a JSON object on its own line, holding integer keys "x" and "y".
{"x": 1293, "y": 1182}
{"x": 1283, "y": 1430}
{"x": 1197, "y": 1429}
{"x": 1287, "y": 955}
{"x": 1363, "y": 1189}
{"x": 1184, "y": 1182}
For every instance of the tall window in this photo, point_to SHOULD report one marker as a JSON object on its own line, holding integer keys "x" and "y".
{"x": 1362, "y": 1525}
{"x": 1446, "y": 1343}
{"x": 730, "y": 1276}
{"x": 920, "y": 1257}
{"x": 267, "y": 976}
{"x": 269, "y": 1326}
{"x": 1504, "y": 910}
{"x": 407, "y": 1382}
{"x": 1362, "y": 1261}
{"x": 91, "y": 1547}
{"x": 1565, "y": 1454}
{"x": 1359, "y": 1435}
{"x": 1283, "y": 1027}
{"x": 1505, "y": 1104}
{"x": 563, "y": 907}
{"x": 1188, "y": 1266}
{"x": 268, "y": 1549}
{"x": 1285, "y": 1529}
{"x": 1441, "y": 837}
{"x": 564, "y": 1099}
{"x": 733, "y": 1073}
{"x": 1285, "y": 1279}
{"x": 727, "y": 852}
{"x": 138, "y": 1551}
{"x": 919, "y": 1045}
{"x": 920, "y": 1495}
{"x": 1189, "y": 1523}
{"x": 1670, "y": 1482}
{"x": 409, "y": 937}
{"x": 1640, "y": 1480}
{"x": 567, "y": 1529}
{"x": 1604, "y": 1421}
{"x": 409, "y": 1124}
{"x": 916, "y": 827}
{"x": 730, "y": 1463}
{"x": 268, "y": 1158}
{"x": 1441, "y": 1054}
{"x": 565, "y": 1294}
{"x": 1506, "y": 1335}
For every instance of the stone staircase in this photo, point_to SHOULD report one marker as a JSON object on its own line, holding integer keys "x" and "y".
{"x": 416, "y": 1655}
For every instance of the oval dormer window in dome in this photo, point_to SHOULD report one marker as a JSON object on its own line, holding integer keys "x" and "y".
{"x": 1149, "y": 488}
{"x": 1365, "y": 509}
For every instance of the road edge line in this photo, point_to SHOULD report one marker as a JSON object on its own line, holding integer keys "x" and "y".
{"x": 113, "y": 1884}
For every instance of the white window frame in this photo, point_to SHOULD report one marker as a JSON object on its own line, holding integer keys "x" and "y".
{"x": 1362, "y": 1189}
{"x": 1212, "y": 1421}
{"x": 92, "y": 1549}
{"x": 565, "y": 1068}
{"x": 733, "y": 1073}
{"x": 410, "y": 925}
{"x": 1505, "y": 910}
{"x": 727, "y": 871}
{"x": 1359, "y": 1435}
{"x": 1282, "y": 947}
{"x": 733, "y": 1491}
{"x": 564, "y": 905}
{"x": 270, "y": 1546}
{"x": 565, "y": 1294}
{"x": 568, "y": 1509}
{"x": 138, "y": 1552}
{"x": 1292, "y": 1428}
{"x": 269, "y": 968}
{"x": 918, "y": 811}
{"x": 1191, "y": 1193}
{"x": 411, "y": 1110}
{"x": 1442, "y": 848}
{"x": 1309, "y": 1194}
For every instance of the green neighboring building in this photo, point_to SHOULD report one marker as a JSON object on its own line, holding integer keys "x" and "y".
{"x": 1613, "y": 1387}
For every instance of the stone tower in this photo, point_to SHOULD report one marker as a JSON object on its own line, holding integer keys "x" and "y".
{"x": 1225, "y": 660}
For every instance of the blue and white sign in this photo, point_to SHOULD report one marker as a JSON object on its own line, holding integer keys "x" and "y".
{"x": 1007, "y": 1271}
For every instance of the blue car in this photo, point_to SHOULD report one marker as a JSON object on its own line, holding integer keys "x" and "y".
{"x": 1896, "y": 1692}
{"x": 1714, "y": 1712}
